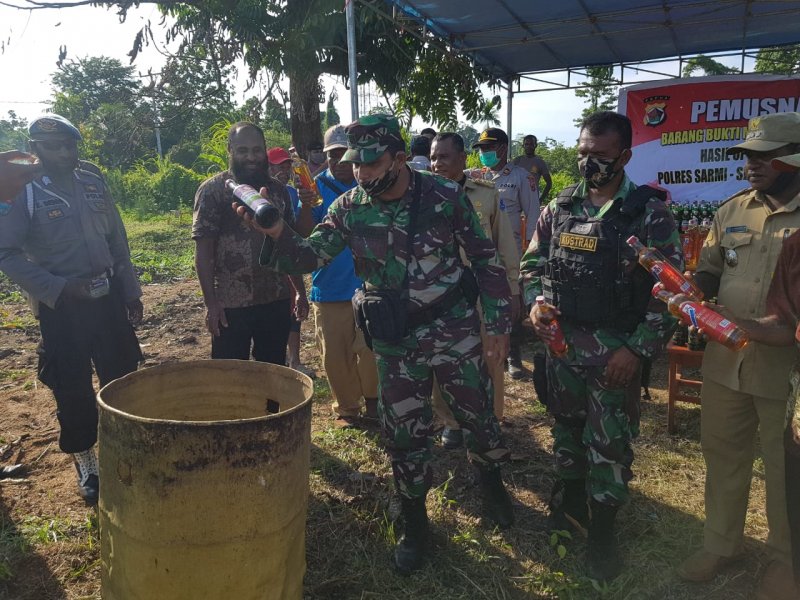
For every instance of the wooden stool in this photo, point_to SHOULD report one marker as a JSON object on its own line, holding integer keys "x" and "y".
{"x": 680, "y": 357}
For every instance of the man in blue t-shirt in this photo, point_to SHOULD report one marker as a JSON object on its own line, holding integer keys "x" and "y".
{"x": 349, "y": 363}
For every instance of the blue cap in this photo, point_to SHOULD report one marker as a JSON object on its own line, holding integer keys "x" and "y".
{"x": 51, "y": 125}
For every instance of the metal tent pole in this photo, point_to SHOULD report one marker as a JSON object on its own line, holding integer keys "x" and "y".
{"x": 509, "y": 113}
{"x": 351, "y": 57}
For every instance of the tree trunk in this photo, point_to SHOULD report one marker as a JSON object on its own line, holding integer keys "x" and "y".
{"x": 306, "y": 120}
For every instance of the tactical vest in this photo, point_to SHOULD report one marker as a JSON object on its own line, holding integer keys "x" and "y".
{"x": 585, "y": 275}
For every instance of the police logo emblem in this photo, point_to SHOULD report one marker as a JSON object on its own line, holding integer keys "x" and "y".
{"x": 4, "y": 209}
{"x": 48, "y": 125}
{"x": 506, "y": 171}
{"x": 55, "y": 213}
{"x": 655, "y": 110}
{"x": 572, "y": 241}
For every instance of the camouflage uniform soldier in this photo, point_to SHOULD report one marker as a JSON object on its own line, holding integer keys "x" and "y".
{"x": 427, "y": 279}
{"x": 610, "y": 321}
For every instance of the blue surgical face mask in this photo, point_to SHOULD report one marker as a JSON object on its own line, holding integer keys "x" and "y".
{"x": 489, "y": 159}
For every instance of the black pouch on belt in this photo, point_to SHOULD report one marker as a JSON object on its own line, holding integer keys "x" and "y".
{"x": 381, "y": 314}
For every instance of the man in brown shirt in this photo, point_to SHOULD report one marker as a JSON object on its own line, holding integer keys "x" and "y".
{"x": 246, "y": 305}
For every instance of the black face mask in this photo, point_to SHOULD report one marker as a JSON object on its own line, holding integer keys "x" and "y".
{"x": 597, "y": 171}
{"x": 376, "y": 187}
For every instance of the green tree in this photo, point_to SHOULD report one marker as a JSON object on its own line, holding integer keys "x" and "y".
{"x": 559, "y": 157}
{"x": 82, "y": 86}
{"x": 599, "y": 91}
{"x": 331, "y": 114}
{"x": 302, "y": 39}
{"x": 707, "y": 66}
{"x": 13, "y": 132}
{"x": 780, "y": 61}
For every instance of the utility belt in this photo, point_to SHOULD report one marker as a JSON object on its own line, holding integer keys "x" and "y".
{"x": 383, "y": 314}
{"x": 100, "y": 285}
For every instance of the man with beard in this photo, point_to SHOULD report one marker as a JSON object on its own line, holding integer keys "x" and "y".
{"x": 247, "y": 307}
{"x": 405, "y": 229}
{"x": 63, "y": 242}
{"x": 745, "y": 392}
{"x": 449, "y": 160}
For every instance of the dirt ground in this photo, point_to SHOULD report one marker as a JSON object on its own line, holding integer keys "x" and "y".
{"x": 173, "y": 330}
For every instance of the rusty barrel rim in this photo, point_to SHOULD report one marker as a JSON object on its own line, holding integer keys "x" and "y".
{"x": 216, "y": 363}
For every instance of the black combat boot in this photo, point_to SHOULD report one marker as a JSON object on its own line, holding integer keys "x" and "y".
{"x": 514, "y": 361}
{"x": 602, "y": 555}
{"x": 569, "y": 510}
{"x": 409, "y": 553}
{"x": 497, "y": 505}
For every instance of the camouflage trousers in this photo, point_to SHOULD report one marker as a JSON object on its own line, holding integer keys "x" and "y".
{"x": 593, "y": 429}
{"x": 451, "y": 350}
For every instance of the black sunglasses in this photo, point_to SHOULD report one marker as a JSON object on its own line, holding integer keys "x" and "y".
{"x": 56, "y": 145}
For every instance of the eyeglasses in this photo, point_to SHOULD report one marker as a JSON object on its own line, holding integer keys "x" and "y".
{"x": 56, "y": 145}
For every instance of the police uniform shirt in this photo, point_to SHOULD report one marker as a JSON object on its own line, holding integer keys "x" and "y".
{"x": 49, "y": 235}
{"x": 495, "y": 223}
{"x": 518, "y": 194}
{"x": 742, "y": 249}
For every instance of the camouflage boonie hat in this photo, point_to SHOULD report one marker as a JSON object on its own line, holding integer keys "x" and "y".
{"x": 371, "y": 136}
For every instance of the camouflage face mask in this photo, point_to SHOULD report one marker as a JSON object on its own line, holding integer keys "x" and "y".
{"x": 377, "y": 186}
{"x": 596, "y": 171}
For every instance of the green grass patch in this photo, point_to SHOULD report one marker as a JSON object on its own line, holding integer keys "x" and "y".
{"x": 162, "y": 249}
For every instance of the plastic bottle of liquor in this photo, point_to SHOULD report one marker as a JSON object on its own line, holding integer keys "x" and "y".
{"x": 715, "y": 327}
{"x": 264, "y": 212}
{"x": 663, "y": 270}
{"x": 558, "y": 345}
{"x": 304, "y": 179}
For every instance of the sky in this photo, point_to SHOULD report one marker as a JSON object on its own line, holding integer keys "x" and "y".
{"x": 32, "y": 40}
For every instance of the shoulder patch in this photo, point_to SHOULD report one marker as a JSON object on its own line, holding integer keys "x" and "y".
{"x": 483, "y": 183}
{"x": 739, "y": 194}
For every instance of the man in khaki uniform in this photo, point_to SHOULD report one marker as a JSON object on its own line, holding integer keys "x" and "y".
{"x": 449, "y": 159}
{"x": 744, "y": 392}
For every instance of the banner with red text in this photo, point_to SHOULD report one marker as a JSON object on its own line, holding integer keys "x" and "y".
{"x": 681, "y": 130}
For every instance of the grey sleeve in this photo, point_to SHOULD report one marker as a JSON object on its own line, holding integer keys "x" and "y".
{"x": 37, "y": 282}
{"x": 124, "y": 272}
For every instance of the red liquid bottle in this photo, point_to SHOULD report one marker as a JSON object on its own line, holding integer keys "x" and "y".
{"x": 663, "y": 270}
{"x": 715, "y": 327}
{"x": 558, "y": 345}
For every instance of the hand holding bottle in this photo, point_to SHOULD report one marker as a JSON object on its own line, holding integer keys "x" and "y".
{"x": 547, "y": 326}
{"x": 713, "y": 325}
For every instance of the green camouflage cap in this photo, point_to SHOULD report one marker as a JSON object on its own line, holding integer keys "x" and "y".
{"x": 371, "y": 136}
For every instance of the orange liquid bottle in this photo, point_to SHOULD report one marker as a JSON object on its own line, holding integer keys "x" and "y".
{"x": 558, "y": 346}
{"x": 663, "y": 270}
{"x": 304, "y": 179}
{"x": 715, "y": 327}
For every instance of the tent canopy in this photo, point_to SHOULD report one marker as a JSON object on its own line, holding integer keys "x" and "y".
{"x": 512, "y": 37}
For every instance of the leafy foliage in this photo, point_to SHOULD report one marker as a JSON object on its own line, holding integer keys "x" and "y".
{"x": 781, "y": 61}
{"x": 707, "y": 66}
{"x": 13, "y": 132}
{"x": 599, "y": 91}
